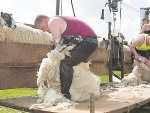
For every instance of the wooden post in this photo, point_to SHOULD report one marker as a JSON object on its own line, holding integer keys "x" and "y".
{"x": 92, "y": 105}
{"x": 57, "y": 6}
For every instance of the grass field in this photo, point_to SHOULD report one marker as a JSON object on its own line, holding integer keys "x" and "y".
{"x": 12, "y": 93}
{"x": 20, "y": 92}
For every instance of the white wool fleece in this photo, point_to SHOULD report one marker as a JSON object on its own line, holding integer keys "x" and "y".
{"x": 139, "y": 73}
{"x": 25, "y": 34}
{"x": 84, "y": 82}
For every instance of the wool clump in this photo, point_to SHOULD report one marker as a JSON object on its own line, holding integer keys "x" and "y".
{"x": 84, "y": 81}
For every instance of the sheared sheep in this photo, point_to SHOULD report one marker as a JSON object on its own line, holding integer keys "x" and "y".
{"x": 140, "y": 71}
{"x": 84, "y": 82}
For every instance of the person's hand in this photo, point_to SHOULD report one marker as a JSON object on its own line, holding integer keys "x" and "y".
{"x": 147, "y": 63}
{"x": 136, "y": 57}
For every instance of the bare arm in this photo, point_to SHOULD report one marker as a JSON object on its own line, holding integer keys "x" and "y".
{"x": 141, "y": 26}
{"x": 54, "y": 29}
{"x": 142, "y": 29}
{"x": 138, "y": 42}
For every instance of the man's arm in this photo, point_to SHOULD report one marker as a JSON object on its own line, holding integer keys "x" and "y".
{"x": 54, "y": 29}
{"x": 136, "y": 56}
{"x": 138, "y": 42}
{"x": 143, "y": 29}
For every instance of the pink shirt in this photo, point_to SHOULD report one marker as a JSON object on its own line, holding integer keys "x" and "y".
{"x": 77, "y": 27}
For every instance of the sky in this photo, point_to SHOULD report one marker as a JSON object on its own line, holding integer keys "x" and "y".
{"x": 25, "y": 11}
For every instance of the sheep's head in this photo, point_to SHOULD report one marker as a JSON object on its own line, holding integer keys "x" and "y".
{"x": 106, "y": 43}
{"x": 69, "y": 40}
{"x": 7, "y": 20}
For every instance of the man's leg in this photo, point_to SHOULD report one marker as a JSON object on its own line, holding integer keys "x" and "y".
{"x": 82, "y": 51}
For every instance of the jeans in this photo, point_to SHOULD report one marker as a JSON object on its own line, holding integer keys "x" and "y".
{"x": 78, "y": 54}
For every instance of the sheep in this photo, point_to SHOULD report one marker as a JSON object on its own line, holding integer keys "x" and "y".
{"x": 2, "y": 36}
{"x": 7, "y": 20}
{"x": 140, "y": 71}
{"x": 25, "y": 34}
{"x": 103, "y": 43}
{"x": 48, "y": 78}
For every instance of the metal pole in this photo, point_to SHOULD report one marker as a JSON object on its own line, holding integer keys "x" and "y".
{"x": 111, "y": 42}
{"x": 57, "y": 7}
{"x": 122, "y": 53}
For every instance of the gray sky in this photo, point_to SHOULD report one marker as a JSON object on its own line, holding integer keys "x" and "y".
{"x": 25, "y": 11}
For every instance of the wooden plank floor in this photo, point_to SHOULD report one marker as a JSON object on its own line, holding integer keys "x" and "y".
{"x": 117, "y": 100}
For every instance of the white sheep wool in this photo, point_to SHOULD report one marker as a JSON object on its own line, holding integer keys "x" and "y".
{"x": 25, "y": 34}
{"x": 84, "y": 82}
{"x": 139, "y": 75}
{"x": 2, "y": 37}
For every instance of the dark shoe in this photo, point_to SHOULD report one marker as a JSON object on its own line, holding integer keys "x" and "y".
{"x": 68, "y": 96}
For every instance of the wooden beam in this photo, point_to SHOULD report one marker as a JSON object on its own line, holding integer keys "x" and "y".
{"x": 19, "y": 64}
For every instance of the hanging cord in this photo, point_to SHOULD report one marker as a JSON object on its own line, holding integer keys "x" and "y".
{"x": 120, "y": 20}
{"x": 73, "y": 8}
{"x": 130, "y": 7}
{"x": 61, "y": 7}
{"x": 125, "y": 56}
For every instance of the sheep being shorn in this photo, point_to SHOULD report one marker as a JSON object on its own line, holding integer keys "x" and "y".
{"x": 84, "y": 81}
{"x": 139, "y": 75}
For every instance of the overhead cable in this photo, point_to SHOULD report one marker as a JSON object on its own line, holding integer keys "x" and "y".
{"x": 130, "y": 7}
{"x": 73, "y": 8}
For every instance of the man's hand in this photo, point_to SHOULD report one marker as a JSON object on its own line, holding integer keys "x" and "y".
{"x": 147, "y": 63}
{"x": 136, "y": 57}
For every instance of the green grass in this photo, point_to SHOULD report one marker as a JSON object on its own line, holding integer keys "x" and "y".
{"x": 14, "y": 93}
{"x": 10, "y": 110}
{"x": 105, "y": 78}
{"x": 19, "y": 92}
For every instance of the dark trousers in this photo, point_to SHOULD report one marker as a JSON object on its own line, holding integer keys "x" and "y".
{"x": 78, "y": 54}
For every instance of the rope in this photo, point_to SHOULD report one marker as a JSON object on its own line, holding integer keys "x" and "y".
{"x": 129, "y": 7}
{"x": 120, "y": 20}
{"x": 73, "y": 9}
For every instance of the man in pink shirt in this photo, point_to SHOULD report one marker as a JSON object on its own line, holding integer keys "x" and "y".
{"x": 60, "y": 26}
